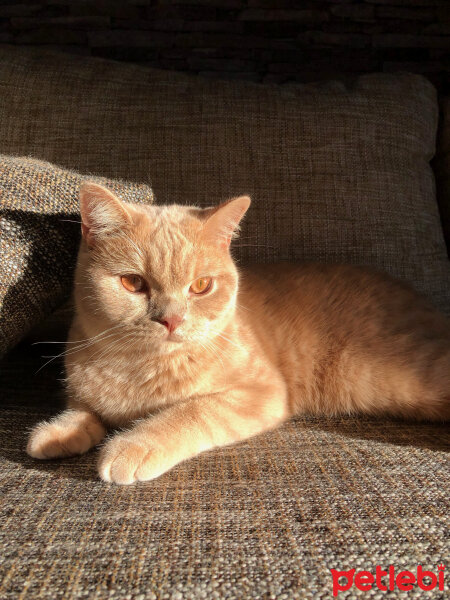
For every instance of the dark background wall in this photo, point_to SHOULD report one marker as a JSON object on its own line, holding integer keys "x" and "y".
{"x": 274, "y": 41}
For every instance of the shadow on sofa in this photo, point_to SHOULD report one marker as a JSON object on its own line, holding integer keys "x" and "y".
{"x": 44, "y": 282}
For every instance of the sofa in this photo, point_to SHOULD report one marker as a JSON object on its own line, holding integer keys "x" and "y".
{"x": 337, "y": 173}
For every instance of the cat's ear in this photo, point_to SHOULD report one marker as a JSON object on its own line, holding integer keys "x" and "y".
{"x": 101, "y": 212}
{"x": 222, "y": 222}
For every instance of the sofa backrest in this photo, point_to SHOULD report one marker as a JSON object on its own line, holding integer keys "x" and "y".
{"x": 336, "y": 174}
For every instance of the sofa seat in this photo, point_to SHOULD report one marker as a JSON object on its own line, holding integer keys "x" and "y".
{"x": 267, "y": 518}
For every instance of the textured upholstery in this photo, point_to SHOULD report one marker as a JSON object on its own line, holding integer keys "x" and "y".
{"x": 336, "y": 174}
{"x": 39, "y": 237}
{"x": 268, "y": 517}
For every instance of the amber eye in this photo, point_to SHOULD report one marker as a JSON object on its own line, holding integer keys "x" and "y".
{"x": 201, "y": 285}
{"x": 133, "y": 283}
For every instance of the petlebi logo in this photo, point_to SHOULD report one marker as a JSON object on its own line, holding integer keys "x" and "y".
{"x": 391, "y": 579}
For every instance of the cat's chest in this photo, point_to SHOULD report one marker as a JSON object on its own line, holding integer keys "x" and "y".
{"x": 137, "y": 388}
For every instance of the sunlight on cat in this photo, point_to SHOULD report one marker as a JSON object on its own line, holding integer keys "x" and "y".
{"x": 172, "y": 344}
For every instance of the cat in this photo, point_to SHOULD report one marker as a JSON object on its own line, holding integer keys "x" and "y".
{"x": 172, "y": 344}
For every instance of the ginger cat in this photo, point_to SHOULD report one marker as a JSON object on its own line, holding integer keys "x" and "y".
{"x": 171, "y": 343}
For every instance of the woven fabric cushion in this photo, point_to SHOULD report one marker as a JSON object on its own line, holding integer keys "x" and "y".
{"x": 336, "y": 174}
{"x": 261, "y": 520}
{"x": 39, "y": 237}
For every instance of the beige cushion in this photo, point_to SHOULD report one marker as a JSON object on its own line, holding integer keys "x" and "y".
{"x": 39, "y": 237}
{"x": 336, "y": 174}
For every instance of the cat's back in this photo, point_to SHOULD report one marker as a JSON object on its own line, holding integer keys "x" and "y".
{"x": 346, "y": 338}
{"x": 353, "y": 303}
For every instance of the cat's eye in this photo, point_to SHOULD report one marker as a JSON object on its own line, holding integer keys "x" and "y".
{"x": 133, "y": 283}
{"x": 201, "y": 285}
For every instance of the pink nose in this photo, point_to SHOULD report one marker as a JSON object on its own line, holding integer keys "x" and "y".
{"x": 171, "y": 322}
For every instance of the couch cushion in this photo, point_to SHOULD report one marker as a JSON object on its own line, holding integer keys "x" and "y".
{"x": 40, "y": 232}
{"x": 267, "y": 518}
{"x": 337, "y": 174}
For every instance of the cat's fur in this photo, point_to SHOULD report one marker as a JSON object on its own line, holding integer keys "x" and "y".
{"x": 292, "y": 339}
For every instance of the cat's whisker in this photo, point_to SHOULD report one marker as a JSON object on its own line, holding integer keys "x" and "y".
{"x": 101, "y": 334}
{"x": 242, "y": 306}
{"x": 213, "y": 351}
{"x": 61, "y": 342}
{"x": 47, "y": 363}
{"x": 91, "y": 343}
{"x": 108, "y": 350}
{"x": 80, "y": 347}
{"x": 83, "y": 340}
{"x": 104, "y": 351}
{"x": 222, "y": 351}
{"x": 219, "y": 334}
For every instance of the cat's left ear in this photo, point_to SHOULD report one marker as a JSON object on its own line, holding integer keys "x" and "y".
{"x": 222, "y": 222}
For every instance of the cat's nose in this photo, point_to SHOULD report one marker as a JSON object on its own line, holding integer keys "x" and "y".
{"x": 171, "y": 322}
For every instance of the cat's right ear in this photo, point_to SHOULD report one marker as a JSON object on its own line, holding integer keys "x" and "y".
{"x": 222, "y": 222}
{"x": 101, "y": 212}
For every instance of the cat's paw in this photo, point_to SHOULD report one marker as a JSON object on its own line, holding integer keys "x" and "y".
{"x": 69, "y": 434}
{"x": 125, "y": 460}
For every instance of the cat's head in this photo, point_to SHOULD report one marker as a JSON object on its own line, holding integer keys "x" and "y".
{"x": 162, "y": 273}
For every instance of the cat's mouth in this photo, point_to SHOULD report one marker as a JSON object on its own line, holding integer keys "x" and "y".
{"x": 173, "y": 337}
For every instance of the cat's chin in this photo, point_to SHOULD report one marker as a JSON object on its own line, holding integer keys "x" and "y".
{"x": 167, "y": 347}
{"x": 173, "y": 339}
{"x": 169, "y": 343}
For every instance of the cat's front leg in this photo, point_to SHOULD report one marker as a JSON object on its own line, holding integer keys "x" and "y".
{"x": 155, "y": 445}
{"x": 70, "y": 433}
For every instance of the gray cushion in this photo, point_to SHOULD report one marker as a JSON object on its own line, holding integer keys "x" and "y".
{"x": 336, "y": 174}
{"x": 267, "y": 518}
